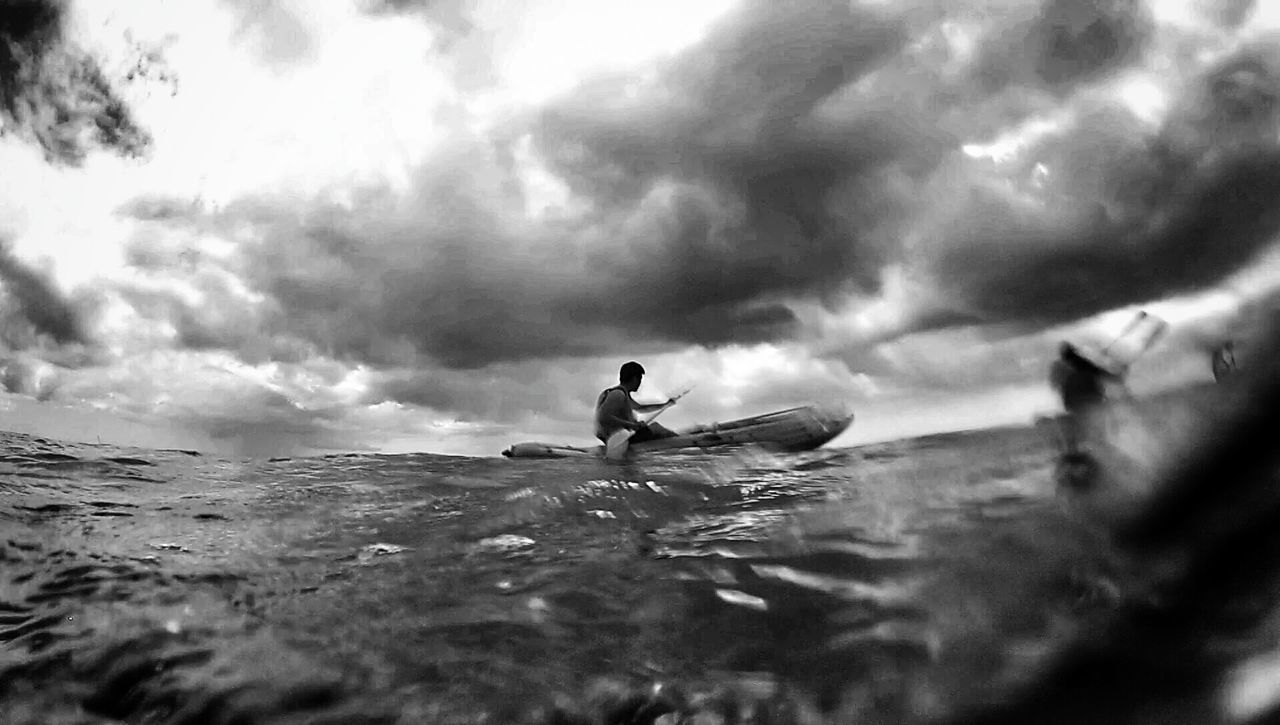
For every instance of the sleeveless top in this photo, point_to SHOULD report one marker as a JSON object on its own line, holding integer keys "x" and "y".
{"x": 602, "y": 432}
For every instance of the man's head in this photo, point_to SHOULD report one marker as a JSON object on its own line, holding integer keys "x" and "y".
{"x": 629, "y": 375}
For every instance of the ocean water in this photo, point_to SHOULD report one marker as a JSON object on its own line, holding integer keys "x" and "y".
{"x": 931, "y": 580}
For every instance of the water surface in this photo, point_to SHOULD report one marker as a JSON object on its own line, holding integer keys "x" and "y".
{"x": 901, "y": 582}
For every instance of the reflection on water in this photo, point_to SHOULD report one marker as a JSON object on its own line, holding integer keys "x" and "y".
{"x": 898, "y": 582}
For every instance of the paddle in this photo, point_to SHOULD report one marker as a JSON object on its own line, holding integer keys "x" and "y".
{"x": 615, "y": 449}
{"x": 1133, "y": 325}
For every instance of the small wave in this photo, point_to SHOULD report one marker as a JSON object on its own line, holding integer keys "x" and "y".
{"x": 893, "y": 592}
{"x": 742, "y": 599}
{"x": 50, "y": 457}
{"x": 380, "y": 549}
{"x": 504, "y": 543}
{"x": 460, "y": 481}
{"x": 129, "y": 461}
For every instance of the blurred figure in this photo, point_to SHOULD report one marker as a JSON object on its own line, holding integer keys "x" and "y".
{"x": 1083, "y": 377}
{"x": 1224, "y": 361}
{"x": 1082, "y": 385}
{"x": 1194, "y": 642}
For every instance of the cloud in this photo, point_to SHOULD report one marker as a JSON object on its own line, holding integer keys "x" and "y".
{"x": 24, "y": 375}
{"x": 1125, "y": 216}
{"x": 243, "y": 410}
{"x": 1065, "y": 43}
{"x": 54, "y": 93}
{"x": 30, "y": 305}
{"x": 455, "y": 273}
{"x": 868, "y": 199}
{"x": 274, "y": 29}
{"x": 797, "y": 155}
{"x": 448, "y": 275}
{"x": 811, "y": 173}
{"x": 727, "y": 129}
{"x": 453, "y": 17}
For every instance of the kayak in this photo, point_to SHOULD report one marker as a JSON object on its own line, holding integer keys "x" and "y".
{"x": 794, "y": 429}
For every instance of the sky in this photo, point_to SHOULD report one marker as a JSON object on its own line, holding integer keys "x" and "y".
{"x": 442, "y": 226}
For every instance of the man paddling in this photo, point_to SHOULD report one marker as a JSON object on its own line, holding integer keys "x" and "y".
{"x": 615, "y": 410}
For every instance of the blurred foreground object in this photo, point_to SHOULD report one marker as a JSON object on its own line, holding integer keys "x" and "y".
{"x": 1082, "y": 376}
{"x": 1201, "y": 645}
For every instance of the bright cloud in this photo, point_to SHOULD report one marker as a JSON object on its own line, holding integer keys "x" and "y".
{"x": 361, "y": 104}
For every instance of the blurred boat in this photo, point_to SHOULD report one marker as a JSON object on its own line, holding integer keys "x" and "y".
{"x": 794, "y": 429}
{"x": 1115, "y": 358}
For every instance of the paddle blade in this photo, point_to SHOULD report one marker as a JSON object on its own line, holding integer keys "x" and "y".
{"x": 615, "y": 449}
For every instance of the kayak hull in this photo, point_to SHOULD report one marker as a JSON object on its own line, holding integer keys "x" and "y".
{"x": 794, "y": 429}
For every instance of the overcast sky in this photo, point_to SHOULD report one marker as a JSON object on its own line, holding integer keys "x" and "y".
{"x": 443, "y": 225}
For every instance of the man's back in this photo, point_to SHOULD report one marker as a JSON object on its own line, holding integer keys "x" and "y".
{"x": 612, "y": 403}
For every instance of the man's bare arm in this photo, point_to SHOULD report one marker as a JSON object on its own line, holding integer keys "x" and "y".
{"x": 651, "y": 407}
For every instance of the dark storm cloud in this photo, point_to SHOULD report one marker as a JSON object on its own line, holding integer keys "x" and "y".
{"x": 1134, "y": 216}
{"x": 729, "y": 127}
{"x": 53, "y": 93}
{"x": 361, "y": 285}
{"x": 30, "y": 299}
{"x": 792, "y": 156}
{"x": 798, "y": 137}
{"x": 1067, "y": 42}
{"x": 791, "y": 152}
{"x": 208, "y": 309}
{"x": 450, "y": 275}
{"x": 665, "y": 261}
